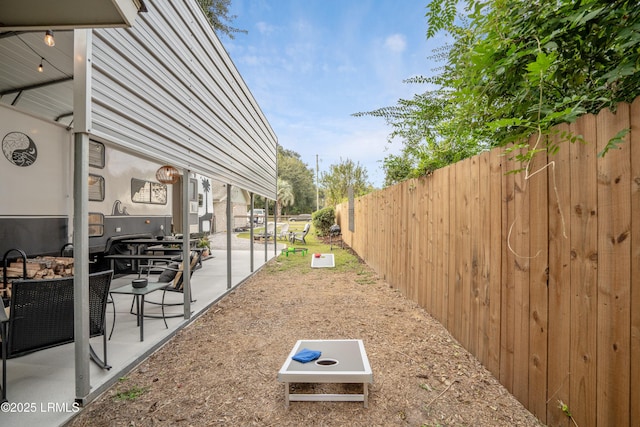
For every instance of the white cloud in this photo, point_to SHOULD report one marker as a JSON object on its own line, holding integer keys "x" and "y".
{"x": 250, "y": 60}
{"x": 396, "y": 43}
{"x": 264, "y": 28}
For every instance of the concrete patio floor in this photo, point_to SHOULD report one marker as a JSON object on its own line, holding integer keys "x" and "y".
{"x": 41, "y": 385}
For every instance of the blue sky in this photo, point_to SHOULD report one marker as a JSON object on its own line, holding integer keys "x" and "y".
{"x": 311, "y": 64}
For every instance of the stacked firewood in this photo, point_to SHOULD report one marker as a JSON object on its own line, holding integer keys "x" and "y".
{"x": 47, "y": 267}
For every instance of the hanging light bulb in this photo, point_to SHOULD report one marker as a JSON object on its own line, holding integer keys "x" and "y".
{"x": 48, "y": 38}
{"x": 41, "y": 67}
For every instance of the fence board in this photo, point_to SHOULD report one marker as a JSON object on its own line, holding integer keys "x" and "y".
{"x": 614, "y": 220}
{"x": 634, "y": 393}
{"x": 520, "y": 240}
{"x": 375, "y": 228}
{"x": 584, "y": 267}
{"x": 507, "y": 296}
{"x": 463, "y": 175}
{"x": 495, "y": 266}
{"x": 426, "y": 263}
{"x": 451, "y": 282}
{"x": 460, "y": 309}
{"x": 435, "y": 204}
{"x": 483, "y": 241}
{"x": 388, "y": 236}
{"x": 538, "y": 293}
{"x": 444, "y": 235}
{"x": 473, "y": 219}
{"x": 416, "y": 234}
{"x": 407, "y": 247}
{"x": 559, "y": 330}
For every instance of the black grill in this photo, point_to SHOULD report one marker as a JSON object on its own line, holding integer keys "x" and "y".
{"x": 335, "y": 231}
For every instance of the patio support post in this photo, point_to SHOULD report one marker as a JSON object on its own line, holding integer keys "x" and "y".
{"x": 186, "y": 245}
{"x": 82, "y": 126}
{"x": 251, "y": 231}
{"x": 275, "y": 212}
{"x": 275, "y": 228}
{"x": 266, "y": 217}
{"x": 229, "y": 229}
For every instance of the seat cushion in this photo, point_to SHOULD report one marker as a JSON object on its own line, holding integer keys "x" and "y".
{"x": 170, "y": 273}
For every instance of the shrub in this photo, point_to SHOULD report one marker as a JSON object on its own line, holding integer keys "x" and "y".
{"x": 323, "y": 220}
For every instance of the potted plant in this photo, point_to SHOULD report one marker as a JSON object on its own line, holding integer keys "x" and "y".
{"x": 205, "y": 244}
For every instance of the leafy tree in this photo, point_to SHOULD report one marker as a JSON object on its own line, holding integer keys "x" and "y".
{"x": 285, "y": 195}
{"x": 217, "y": 11}
{"x": 397, "y": 168}
{"x": 300, "y": 177}
{"x": 517, "y": 68}
{"x": 340, "y": 177}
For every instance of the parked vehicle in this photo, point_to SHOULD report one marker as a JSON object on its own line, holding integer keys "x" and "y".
{"x": 36, "y": 216}
{"x": 301, "y": 217}
{"x": 258, "y": 216}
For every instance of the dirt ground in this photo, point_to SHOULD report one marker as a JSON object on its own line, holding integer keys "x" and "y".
{"x": 222, "y": 369}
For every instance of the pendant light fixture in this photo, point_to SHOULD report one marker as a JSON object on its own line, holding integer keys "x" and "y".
{"x": 168, "y": 175}
{"x": 48, "y": 38}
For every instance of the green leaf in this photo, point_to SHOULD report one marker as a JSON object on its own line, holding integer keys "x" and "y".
{"x": 614, "y": 142}
{"x": 502, "y": 123}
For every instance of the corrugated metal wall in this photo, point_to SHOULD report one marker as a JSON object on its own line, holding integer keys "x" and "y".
{"x": 167, "y": 88}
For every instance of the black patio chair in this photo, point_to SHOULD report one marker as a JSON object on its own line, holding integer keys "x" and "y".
{"x": 172, "y": 274}
{"x": 41, "y": 316}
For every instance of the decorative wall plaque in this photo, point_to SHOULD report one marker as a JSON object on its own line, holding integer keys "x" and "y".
{"x": 19, "y": 149}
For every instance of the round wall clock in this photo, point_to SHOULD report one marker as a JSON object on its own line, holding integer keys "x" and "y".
{"x": 19, "y": 149}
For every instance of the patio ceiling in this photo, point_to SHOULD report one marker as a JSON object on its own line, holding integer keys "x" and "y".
{"x": 49, "y": 93}
{"x": 23, "y": 15}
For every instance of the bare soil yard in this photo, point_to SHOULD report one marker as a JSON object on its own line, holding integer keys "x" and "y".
{"x": 222, "y": 369}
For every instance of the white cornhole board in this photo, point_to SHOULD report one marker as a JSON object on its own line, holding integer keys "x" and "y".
{"x": 348, "y": 364}
{"x": 325, "y": 260}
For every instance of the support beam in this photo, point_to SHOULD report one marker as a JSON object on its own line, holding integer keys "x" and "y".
{"x": 82, "y": 109}
{"x": 186, "y": 245}
{"x": 251, "y": 230}
{"x": 35, "y": 86}
{"x": 229, "y": 230}
{"x": 275, "y": 228}
{"x": 266, "y": 216}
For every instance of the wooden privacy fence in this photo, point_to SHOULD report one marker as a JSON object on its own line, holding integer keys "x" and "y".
{"x": 538, "y": 277}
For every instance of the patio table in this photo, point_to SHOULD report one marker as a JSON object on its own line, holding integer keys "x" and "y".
{"x": 150, "y": 258}
{"x": 139, "y": 294}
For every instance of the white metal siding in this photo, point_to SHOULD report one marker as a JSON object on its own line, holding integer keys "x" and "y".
{"x": 167, "y": 88}
{"x": 44, "y": 188}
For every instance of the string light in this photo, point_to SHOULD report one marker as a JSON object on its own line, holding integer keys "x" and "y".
{"x": 41, "y": 67}
{"x": 48, "y": 38}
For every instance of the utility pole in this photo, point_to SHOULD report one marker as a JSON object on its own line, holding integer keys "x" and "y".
{"x": 317, "y": 185}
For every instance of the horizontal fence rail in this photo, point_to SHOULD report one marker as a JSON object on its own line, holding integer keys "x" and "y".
{"x": 536, "y": 274}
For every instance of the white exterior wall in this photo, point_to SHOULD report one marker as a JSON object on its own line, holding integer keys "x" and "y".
{"x": 45, "y": 187}
{"x": 167, "y": 89}
{"x": 120, "y": 168}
